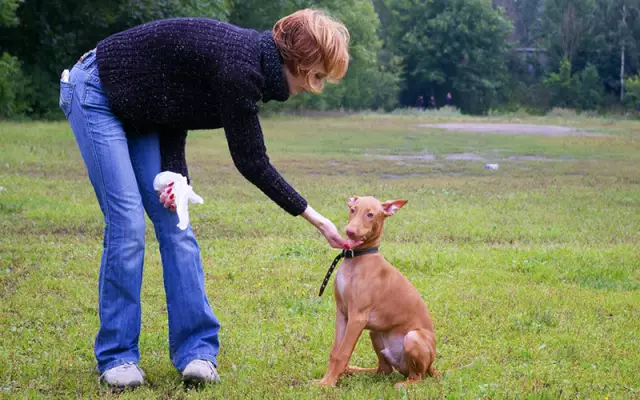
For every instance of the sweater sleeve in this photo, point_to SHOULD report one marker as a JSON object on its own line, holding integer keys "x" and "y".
{"x": 249, "y": 154}
{"x": 172, "y": 152}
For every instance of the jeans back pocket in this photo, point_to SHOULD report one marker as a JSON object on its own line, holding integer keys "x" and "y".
{"x": 66, "y": 96}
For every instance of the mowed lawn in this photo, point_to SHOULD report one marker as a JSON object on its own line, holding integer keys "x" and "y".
{"x": 531, "y": 272}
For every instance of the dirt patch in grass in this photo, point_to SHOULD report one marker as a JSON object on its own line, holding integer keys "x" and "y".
{"x": 395, "y": 157}
{"x": 465, "y": 157}
{"x": 537, "y": 158}
{"x": 428, "y": 158}
{"x": 400, "y": 176}
{"x": 514, "y": 129}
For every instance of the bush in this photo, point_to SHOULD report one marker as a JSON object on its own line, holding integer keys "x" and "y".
{"x": 632, "y": 92}
{"x": 587, "y": 89}
{"x": 562, "y": 112}
{"x": 14, "y": 87}
{"x": 530, "y": 98}
{"x": 560, "y": 86}
{"x": 582, "y": 91}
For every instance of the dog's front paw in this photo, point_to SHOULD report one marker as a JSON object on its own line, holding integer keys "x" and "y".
{"x": 325, "y": 382}
{"x": 351, "y": 370}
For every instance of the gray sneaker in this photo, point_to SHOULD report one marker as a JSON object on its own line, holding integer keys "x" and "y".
{"x": 201, "y": 371}
{"x": 125, "y": 375}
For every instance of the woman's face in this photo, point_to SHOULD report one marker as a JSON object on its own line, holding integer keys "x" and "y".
{"x": 298, "y": 83}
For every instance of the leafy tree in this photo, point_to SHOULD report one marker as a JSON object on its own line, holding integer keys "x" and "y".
{"x": 14, "y": 91}
{"x": 566, "y": 25}
{"x": 632, "y": 94}
{"x": 12, "y": 81}
{"x": 588, "y": 89}
{"x": 8, "y": 12}
{"x": 450, "y": 45}
{"x": 52, "y": 34}
{"x": 613, "y": 46}
{"x": 530, "y": 21}
{"x": 582, "y": 91}
{"x": 560, "y": 85}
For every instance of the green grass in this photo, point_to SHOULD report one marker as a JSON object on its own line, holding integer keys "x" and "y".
{"x": 531, "y": 272}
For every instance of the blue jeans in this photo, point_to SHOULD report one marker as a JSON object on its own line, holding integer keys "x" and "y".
{"x": 121, "y": 171}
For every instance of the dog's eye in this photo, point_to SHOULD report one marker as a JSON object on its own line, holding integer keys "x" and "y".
{"x": 352, "y": 210}
{"x": 370, "y": 215}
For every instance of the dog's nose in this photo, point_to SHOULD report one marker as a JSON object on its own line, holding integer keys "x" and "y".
{"x": 351, "y": 232}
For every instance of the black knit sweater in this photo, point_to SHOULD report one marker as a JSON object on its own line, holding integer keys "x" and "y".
{"x": 174, "y": 75}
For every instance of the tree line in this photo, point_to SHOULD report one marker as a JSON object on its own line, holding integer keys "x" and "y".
{"x": 491, "y": 55}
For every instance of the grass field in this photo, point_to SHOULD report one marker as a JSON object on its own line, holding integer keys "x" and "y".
{"x": 531, "y": 272}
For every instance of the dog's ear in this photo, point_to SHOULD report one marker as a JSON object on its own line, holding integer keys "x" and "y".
{"x": 390, "y": 207}
{"x": 352, "y": 201}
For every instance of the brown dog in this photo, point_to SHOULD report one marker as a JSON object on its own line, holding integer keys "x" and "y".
{"x": 371, "y": 294}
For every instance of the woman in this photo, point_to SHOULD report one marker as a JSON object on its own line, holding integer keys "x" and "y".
{"x": 130, "y": 103}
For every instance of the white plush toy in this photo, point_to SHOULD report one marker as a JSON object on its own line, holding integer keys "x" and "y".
{"x": 184, "y": 194}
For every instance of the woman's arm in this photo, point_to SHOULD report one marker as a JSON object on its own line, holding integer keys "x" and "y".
{"x": 172, "y": 152}
{"x": 249, "y": 154}
{"x": 172, "y": 158}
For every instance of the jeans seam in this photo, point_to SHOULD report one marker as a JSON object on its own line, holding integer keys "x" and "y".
{"x": 160, "y": 231}
{"x": 107, "y": 214}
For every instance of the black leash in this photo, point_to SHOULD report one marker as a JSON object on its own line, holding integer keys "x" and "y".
{"x": 346, "y": 254}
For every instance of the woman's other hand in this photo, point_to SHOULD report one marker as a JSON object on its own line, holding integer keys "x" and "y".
{"x": 168, "y": 198}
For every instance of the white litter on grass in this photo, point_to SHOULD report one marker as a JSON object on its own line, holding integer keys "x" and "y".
{"x": 492, "y": 166}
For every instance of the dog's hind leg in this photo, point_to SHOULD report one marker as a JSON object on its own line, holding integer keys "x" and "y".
{"x": 419, "y": 355}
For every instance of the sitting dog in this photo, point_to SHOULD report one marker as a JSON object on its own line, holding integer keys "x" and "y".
{"x": 371, "y": 294}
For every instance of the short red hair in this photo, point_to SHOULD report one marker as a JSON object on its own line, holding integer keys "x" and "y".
{"x": 311, "y": 42}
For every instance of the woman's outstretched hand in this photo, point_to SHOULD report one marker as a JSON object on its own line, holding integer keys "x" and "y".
{"x": 326, "y": 227}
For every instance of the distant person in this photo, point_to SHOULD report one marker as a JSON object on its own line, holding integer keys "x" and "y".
{"x": 130, "y": 103}
{"x": 432, "y": 103}
{"x": 420, "y": 103}
{"x": 448, "y": 100}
